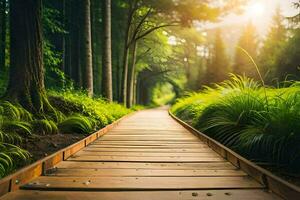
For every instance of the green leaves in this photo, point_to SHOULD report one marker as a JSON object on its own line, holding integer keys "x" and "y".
{"x": 77, "y": 124}
{"x": 9, "y": 154}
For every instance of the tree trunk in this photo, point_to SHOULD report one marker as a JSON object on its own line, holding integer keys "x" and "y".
{"x": 134, "y": 90}
{"x": 126, "y": 53}
{"x": 2, "y": 34}
{"x": 67, "y": 48}
{"x": 107, "y": 63}
{"x": 132, "y": 76}
{"x": 96, "y": 10}
{"x": 125, "y": 70}
{"x": 26, "y": 81}
{"x": 87, "y": 48}
{"x": 63, "y": 65}
{"x": 75, "y": 46}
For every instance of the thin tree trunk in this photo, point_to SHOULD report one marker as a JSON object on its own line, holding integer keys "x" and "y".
{"x": 75, "y": 45}
{"x": 87, "y": 48}
{"x": 118, "y": 77}
{"x": 125, "y": 70}
{"x": 67, "y": 48}
{"x": 134, "y": 100}
{"x": 2, "y": 34}
{"x": 107, "y": 63}
{"x": 126, "y": 51}
{"x": 63, "y": 65}
{"x": 132, "y": 75}
{"x": 96, "y": 7}
{"x": 26, "y": 81}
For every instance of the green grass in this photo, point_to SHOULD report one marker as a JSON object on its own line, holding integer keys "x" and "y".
{"x": 74, "y": 112}
{"x": 262, "y": 124}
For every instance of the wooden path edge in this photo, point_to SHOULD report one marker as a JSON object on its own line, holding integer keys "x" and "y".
{"x": 12, "y": 182}
{"x": 272, "y": 182}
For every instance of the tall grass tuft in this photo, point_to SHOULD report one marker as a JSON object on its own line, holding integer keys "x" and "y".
{"x": 262, "y": 124}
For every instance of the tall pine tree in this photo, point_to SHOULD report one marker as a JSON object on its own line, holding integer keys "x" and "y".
{"x": 218, "y": 67}
{"x": 273, "y": 46}
{"x": 248, "y": 41}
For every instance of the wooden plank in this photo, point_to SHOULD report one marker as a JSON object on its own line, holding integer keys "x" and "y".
{"x": 145, "y": 172}
{"x": 147, "y": 146}
{"x": 151, "y": 135}
{"x": 146, "y": 154}
{"x": 238, "y": 194}
{"x": 144, "y": 132}
{"x": 140, "y": 183}
{"x": 148, "y": 142}
{"x": 178, "y": 150}
{"x": 152, "y": 144}
{"x": 150, "y": 138}
{"x": 136, "y": 165}
{"x": 70, "y": 151}
{"x": 146, "y": 159}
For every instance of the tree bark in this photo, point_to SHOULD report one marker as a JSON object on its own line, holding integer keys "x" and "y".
{"x": 131, "y": 10}
{"x": 97, "y": 32}
{"x": 107, "y": 62}
{"x": 134, "y": 100}
{"x": 132, "y": 76}
{"x": 2, "y": 34}
{"x": 63, "y": 65}
{"x": 125, "y": 68}
{"x": 75, "y": 44}
{"x": 87, "y": 48}
{"x": 26, "y": 80}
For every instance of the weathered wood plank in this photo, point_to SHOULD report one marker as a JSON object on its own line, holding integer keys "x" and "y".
{"x": 140, "y": 183}
{"x": 146, "y": 154}
{"x": 137, "y": 165}
{"x": 197, "y": 146}
{"x": 253, "y": 194}
{"x": 161, "y": 150}
{"x": 145, "y": 172}
{"x": 145, "y": 159}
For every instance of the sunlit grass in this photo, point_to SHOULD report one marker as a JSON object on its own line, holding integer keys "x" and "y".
{"x": 262, "y": 124}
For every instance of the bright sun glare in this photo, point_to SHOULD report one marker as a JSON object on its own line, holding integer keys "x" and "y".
{"x": 256, "y": 10}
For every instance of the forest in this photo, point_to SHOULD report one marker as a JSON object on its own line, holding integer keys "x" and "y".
{"x": 70, "y": 67}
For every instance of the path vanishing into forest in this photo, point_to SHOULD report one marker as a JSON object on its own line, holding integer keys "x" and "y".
{"x": 147, "y": 156}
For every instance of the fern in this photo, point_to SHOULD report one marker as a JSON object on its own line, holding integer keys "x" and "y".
{"x": 77, "y": 124}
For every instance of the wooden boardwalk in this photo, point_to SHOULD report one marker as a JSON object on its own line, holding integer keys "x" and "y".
{"x": 147, "y": 156}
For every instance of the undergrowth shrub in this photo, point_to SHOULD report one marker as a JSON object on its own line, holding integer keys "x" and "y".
{"x": 262, "y": 124}
{"x": 96, "y": 109}
{"x": 77, "y": 124}
{"x": 73, "y": 112}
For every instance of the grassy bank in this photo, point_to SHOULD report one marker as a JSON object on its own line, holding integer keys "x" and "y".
{"x": 76, "y": 115}
{"x": 262, "y": 124}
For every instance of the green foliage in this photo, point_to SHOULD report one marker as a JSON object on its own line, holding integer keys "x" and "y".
{"x": 44, "y": 126}
{"x": 273, "y": 46}
{"x": 13, "y": 125}
{"x": 74, "y": 112}
{"x": 237, "y": 114}
{"x": 9, "y": 155}
{"x": 77, "y": 124}
{"x": 96, "y": 109}
{"x": 288, "y": 61}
